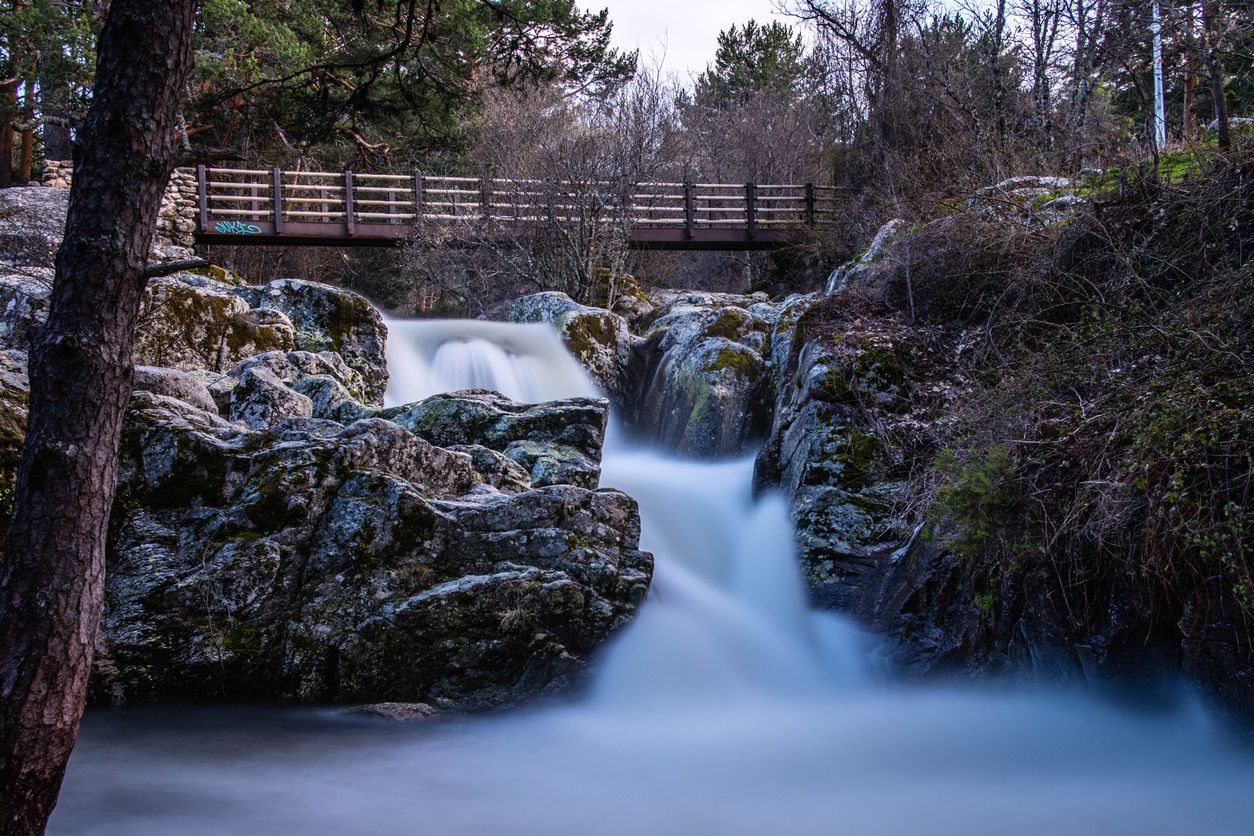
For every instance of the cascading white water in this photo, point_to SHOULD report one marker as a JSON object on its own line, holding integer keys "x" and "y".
{"x": 524, "y": 362}
{"x": 727, "y": 707}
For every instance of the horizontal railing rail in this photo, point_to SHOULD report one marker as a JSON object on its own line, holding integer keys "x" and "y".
{"x": 243, "y": 203}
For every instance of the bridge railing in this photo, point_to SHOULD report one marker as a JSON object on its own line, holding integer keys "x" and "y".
{"x": 235, "y": 198}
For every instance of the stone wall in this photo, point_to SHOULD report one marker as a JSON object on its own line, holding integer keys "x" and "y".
{"x": 176, "y": 221}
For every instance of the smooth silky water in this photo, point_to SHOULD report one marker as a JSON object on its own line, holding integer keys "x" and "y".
{"x": 727, "y": 707}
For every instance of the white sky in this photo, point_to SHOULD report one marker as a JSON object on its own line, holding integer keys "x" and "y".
{"x": 683, "y": 32}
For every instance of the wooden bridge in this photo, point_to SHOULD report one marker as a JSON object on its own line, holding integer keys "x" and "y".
{"x": 320, "y": 208}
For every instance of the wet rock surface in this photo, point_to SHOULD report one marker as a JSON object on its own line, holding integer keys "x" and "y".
{"x": 305, "y": 559}
{"x": 705, "y": 390}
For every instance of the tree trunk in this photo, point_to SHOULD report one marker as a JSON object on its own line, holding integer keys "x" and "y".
{"x": 1189, "y": 122}
{"x": 28, "y": 134}
{"x": 6, "y": 135}
{"x": 53, "y": 102}
{"x": 51, "y": 579}
{"x": 1209, "y": 37}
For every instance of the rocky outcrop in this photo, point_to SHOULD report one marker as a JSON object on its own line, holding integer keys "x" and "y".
{"x": 705, "y": 387}
{"x": 274, "y": 537}
{"x": 555, "y": 443}
{"x": 327, "y": 318}
{"x": 856, "y": 410}
{"x": 305, "y": 559}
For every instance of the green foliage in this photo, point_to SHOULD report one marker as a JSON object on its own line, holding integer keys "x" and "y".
{"x": 751, "y": 59}
{"x": 317, "y": 79}
{"x": 1193, "y": 453}
{"x": 981, "y": 497}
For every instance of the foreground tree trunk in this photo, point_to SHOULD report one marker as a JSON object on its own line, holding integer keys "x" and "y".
{"x": 51, "y": 577}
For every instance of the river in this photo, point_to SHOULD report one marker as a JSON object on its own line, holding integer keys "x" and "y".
{"x": 727, "y": 707}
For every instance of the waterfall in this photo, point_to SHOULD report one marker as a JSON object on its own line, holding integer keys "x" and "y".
{"x": 525, "y": 362}
{"x": 726, "y": 707}
{"x": 727, "y": 614}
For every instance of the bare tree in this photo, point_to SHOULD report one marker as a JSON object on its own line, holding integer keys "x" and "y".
{"x": 561, "y": 176}
{"x": 1042, "y": 18}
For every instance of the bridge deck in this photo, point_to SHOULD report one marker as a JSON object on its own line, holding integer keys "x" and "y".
{"x": 269, "y": 207}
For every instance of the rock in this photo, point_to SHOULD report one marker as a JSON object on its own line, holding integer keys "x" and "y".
{"x": 856, "y": 272}
{"x": 175, "y": 383}
{"x": 598, "y": 339}
{"x": 707, "y": 386}
{"x": 397, "y": 712}
{"x": 23, "y": 306}
{"x": 502, "y": 473}
{"x": 1029, "y": 199}
{"x": 14, "y": 405}
{"x": 554, "y": 464}
{"x": 846, "y": 429}
{"x": 330, "y": 399}
{"x": 317, "y": 562}
{"x": 261, "y": 399}
{"x": 32, "y": 219}
{"x": 1235, "y": 123}
{"x": 191, "y": 322}
{"x": 329, "y": 318}
{"x": 293, "y": 366}
{"x": 493, "y": 420}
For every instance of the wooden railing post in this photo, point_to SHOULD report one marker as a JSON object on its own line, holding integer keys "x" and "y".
{"x": 202, "y": 197}
{"x": 690, "y": 219}
{"x": 485, "y": 198}
{"x": 809, "y": 204}
{"x": 350, "y": 222}
{"x": 276, "y": 175}
{"x": 751, "y": 210}
{"x": 417, "y": 198}
{"x": 255, "y": 204}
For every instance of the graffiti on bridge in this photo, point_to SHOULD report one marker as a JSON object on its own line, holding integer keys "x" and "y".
{"x": 236, "y": 228}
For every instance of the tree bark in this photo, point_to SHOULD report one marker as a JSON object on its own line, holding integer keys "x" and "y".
{"x": 1210, "y": 37}
{"x": 53, "y": 102}
{"x": 51, "y": 578}
{"x": 7, "y": 113}
{"x": 28, "y": 134}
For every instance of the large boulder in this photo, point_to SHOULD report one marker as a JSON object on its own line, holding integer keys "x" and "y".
{"x": 706, "y": 389}
{"x": 327, "y": 318}
{"x": 193, "y": 322}
{"x": 320, "y": 562}
{"x": 32, "y": 220}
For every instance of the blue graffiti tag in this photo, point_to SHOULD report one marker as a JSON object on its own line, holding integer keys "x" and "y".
{"x": 236, "y": 228}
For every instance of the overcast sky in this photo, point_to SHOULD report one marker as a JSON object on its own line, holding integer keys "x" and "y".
{"x": 684, "y": 31}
